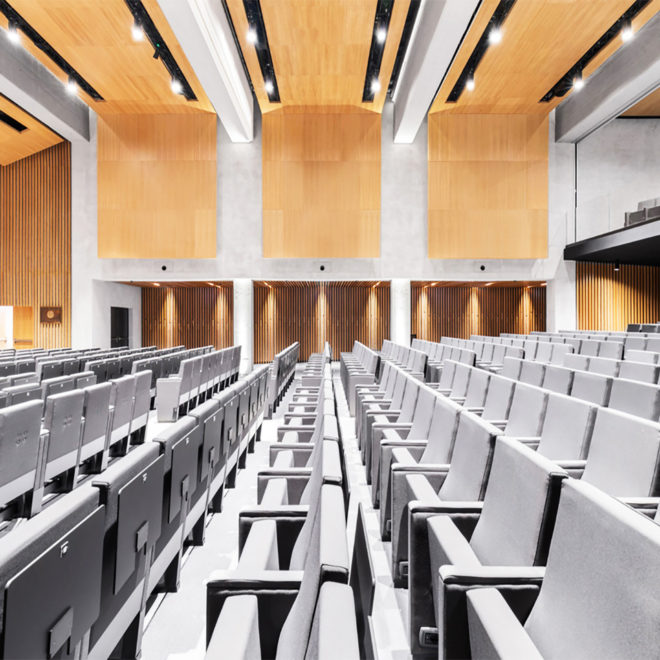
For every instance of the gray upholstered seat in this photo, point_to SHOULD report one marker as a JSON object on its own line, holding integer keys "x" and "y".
{"x": 636, "y": 398}
{"x": 558, "y": 379}
{"x": 600, "y": 604}
{"x": 592, "y": 387}
{"x": 642, "y": 371}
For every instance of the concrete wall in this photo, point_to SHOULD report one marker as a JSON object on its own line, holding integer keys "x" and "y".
{"x": 111, "y": 294}
{"x": 617, "y": 167}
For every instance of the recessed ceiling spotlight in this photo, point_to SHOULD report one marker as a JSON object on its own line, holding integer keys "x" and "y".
{"x": 71, "y": 86}
{"x": 252, "y": 36}
{"x": 137, "y": 32}
{"x": 176, "y": 86}
{"x": 469, "y": 84}
{"x": 495, "y": 36}
{"x": 269, "y": 87}
{"x": 156, "y": 284}
{"x": 578, "y": 82}
{"x": 381, "y": 35}
{"x": 375, "y": 86}
{"x": 627, "y": 32}
{"x": 12, "y": 33}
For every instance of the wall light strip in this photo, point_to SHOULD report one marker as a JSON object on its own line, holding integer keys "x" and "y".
{"x": 497, "y": 19}
{"x": 381, "y": 26}
{"x": 161, "y": 51}
{"x": 256, "y": 22}
{"x": 21, "y": 24}
{"x": 565, "y": 83}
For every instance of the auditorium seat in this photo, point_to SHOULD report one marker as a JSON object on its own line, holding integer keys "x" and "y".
{"x": 532, "y": 373}
{"x": 96, "y": 430}
{"x": 141, "y": 405}
{"x": 636, "y": 398}
{"x": 511, "y": 528}
{"x": 644, "y": 372}
{"x": 498, "y": 399}
{"x": 21, "y": 393}
{"x": 558, "y": 379}
{"x": 122, "y": 398}
{"x": 604, "y": 366}
{"x": 592, "y": 387}
{"x": 600, "y": 604}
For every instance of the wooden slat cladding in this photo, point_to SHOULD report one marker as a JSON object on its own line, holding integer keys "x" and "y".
{"x": 192, "y": 316}
{"x": 315, "y": 312}
{"x": 461, "y": 311}
{"x": 35, "y": 250}
{"x": 609, "y": 299}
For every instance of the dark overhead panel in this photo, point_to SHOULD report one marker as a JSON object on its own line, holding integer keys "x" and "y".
{"x": 381, "y": 26}
{"x": 565, "y": 83}
{"x": 256, "y": 22}
{"x": 11, "y": 122}
{"x": 161, "y": 51}
{"x": 469, "y": 70}
{"x": 408, "y": 26}
{"x": 17, "y": 21}
{"x": 635, "y": 245}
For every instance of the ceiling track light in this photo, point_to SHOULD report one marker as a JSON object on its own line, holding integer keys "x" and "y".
{"x": 137, "y": 33}
{"x": 578, "y": 81}
{"x": 256, "y": 22}
{"x": 627, "y": 32}
{"x": 269, "y": 87}
{"x": 71, "y": 86}
{"x": 469, "y": 83}
{"x": 408, "y": 28}
{"x": 495, "y": 35}
{"x": 566, "y": 83}
{"x": 617, "y": 266}
{"x": 12, "y": 33}
{"x": 176, "y": 86}
{"x": 252, "y": 37}
{"x": 376, "y": 50}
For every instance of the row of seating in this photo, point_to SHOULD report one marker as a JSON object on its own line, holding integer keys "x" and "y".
{"x": 209, "y": 371}
{"x": 282, "y": 370}
{"x": 75, "y": 579}
{"x": 358, "y": 366}
{"x": 461, "y": 488}
{"x": 288, "y": 597}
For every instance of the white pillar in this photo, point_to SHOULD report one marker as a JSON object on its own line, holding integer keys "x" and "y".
{"x": 400, "y": 311}
{"x": 244, "y": 322}
{"x": 561, "y": 302}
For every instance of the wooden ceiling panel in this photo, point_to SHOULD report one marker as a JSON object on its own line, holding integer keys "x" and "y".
{"x": 320, "y": 50}
{"x": 94, "y": 36}
{"x": 542, "y": 40}
{"x": 649, "y": 106}
{"x": 15, "y": 145}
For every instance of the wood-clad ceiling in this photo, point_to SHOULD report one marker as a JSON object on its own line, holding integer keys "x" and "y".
{"x": 542, "y": 40}
{"x": 94, "y": 36}
{"x": 14, "y": 144}
{"x": 649, "y": 106}
{"x": 320, "y": 50}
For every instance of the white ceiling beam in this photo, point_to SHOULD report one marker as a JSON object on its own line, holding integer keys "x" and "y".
{"x": 438, "y": 33}
{"x": 203, "y": 31}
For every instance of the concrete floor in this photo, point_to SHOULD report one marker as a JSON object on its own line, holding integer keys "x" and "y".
{"x": 175, "y": 626}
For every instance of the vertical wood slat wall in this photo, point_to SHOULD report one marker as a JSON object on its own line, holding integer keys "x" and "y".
{"x": 461, "y": 311}
{"x": 192, "y": 316}
{"x": 35, "y": 251}
{"x": 609, "y": 299}
{"x": 315, "y": 312}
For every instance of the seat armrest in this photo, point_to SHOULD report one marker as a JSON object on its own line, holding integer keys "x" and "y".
{"x": 300, "y": 452}
{"x": 531, "y": 442}
{"x": 296, "y": 479}
{"x": 236, "y": 632}
{"x": 646, "y": 505}
{"x": 575, "y": 468}
{"x": 498, "y": 423}
{"x": 495, "y": 632}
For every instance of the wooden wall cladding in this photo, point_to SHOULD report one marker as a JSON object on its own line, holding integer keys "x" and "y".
{"x": 609, "y": 299}
{"x": 461, "y": 310}
{"x": 487, "y": 186}
{"x": 315, "y": 312}
{"x": 35, "y": 250}
{"x": 192, "y": 316}
{"x": 157, "y": 186}
{"x": 321, "y": 184}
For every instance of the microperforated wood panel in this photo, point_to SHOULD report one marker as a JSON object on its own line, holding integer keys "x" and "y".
{"x": 35, "y": 250}
{"x": 314, "y": 312}
{"x": 192, "y": 316}
{"x": 462, "y": 310}
{"x": 609, "y": 299}
{"x": 321, "y": 184}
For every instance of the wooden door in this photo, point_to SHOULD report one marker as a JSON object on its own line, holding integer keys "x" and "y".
{"x": 23, "y": 327}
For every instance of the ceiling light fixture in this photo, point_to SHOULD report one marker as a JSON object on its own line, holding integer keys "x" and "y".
{"x": 71, "y": 86}
{"x": 469, "y": 83}
{"x": 617, "y": 266}
{"x": 176, "y": 86}
{"x": 381, "y": 35}
{"x": 578, "y": 81}
{"x": 375, "y": 86}
{"x": 156, "y": 284}
{"x": 495, "y": 36}
{"x": 269, "y": 87}
{"x": 627, "y": 32}
{"x": 252, "y": 36}
{"x": 13, "y": 34}
{"x": 137, "y": 32}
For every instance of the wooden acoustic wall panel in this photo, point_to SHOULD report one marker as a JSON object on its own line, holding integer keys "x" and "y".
{"x": 192, "y": 316}
{"x": 488, "y": 187}
{"x": 321, "y": 185}
{"x": 315, "y": 312}
{"x": 462, "y": 310}
{"x": 14, "y": 144}
{"x": 35, "y": 250}
{"x": 157, "y": 186}
{"x": 609, "y": 299}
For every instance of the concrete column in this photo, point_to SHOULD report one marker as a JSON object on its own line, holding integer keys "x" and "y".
{"x": 244, "y": 321}
{"x": 400, "y": 311}
{"x": 561, "y": 299}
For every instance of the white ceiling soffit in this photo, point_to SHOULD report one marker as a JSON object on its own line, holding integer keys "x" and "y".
{"x": 438, "y": 33}
{"x": 204, "y": 33}
{"x": 625, "y": 78}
